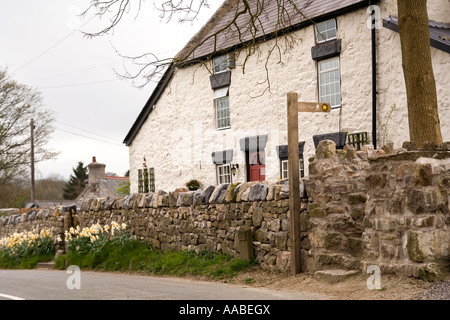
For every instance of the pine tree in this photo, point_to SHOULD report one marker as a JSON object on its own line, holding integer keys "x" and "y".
{"x": 77, "y": 182}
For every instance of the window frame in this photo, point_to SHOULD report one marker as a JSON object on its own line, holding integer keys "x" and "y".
{"x": 221, "y": 175}
{"x": 140, "y": 181}
{"x": 217, "y": 99}
{"x": 223, "y": 65}
{"x": 323, "y": 35}
{"x": 319, "y": 73}
{"x": 146, "y": 180}
{"x": 301, "y": 167}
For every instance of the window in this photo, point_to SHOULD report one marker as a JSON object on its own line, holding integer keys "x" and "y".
{"x": 224, "y": 63}
{"x": 224, "y": 173}
{"x": 140, "y": 181}
{"x": 285, "y": 169}
{"x": 330, "y": 82}
{"x": 152, "y": 179}
{"x": 222, "y": 105}
{"x": 220, "y": 64}
{"x": 146, "y": 180}
{"x": 326, "y": 31}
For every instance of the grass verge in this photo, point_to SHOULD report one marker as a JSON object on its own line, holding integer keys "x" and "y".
{"x": 27, "y": 262}
{"x": 140, "y": 257}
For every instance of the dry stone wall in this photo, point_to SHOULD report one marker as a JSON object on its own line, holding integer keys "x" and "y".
{"x": 204, "y": 219}
{"x": 387, "y": 207}
{"x": 55, "y": 220}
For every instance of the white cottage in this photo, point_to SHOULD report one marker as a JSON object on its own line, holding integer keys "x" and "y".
{"x": 210, "y": 121}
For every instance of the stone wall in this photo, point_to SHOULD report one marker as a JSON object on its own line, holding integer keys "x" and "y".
{"x": 55, "y": 220}
{"x": 386, "y": 207}
{"x": 204, "y": 219}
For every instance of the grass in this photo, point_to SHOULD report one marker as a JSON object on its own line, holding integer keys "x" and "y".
{"x": 140, "y": 257}
{"x": 27, "y": 262}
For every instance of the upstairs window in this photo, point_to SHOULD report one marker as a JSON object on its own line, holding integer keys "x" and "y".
{"x": 326, "y": 31}
{"x": 224, "y": 63}
{"x": 222, "y": 105}
{"x": 330, "y": 82}
{"x": 220, "y": 64}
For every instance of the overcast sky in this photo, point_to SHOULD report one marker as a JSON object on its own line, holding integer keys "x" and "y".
{"x": 42, "y": 46}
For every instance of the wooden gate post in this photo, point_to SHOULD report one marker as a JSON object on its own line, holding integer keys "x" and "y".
{"x": 294, "y": 185}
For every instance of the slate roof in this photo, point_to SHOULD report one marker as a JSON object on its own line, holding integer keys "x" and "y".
{"x": 439, "y": 32}
{"x": 211, "y": 40}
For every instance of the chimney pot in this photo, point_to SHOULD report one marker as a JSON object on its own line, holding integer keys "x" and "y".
{"x": 93, "y": 159}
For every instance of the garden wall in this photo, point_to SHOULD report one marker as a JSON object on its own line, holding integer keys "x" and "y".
{"x": 386, "y": 207}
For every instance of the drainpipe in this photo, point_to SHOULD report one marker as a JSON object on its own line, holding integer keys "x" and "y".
{"x": 374, "y": 79}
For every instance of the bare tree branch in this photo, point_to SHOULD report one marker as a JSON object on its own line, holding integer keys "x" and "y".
{"x": 250, "y": 36}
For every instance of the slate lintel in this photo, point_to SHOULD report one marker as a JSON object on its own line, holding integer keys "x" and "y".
{"x": 326, "y": 49}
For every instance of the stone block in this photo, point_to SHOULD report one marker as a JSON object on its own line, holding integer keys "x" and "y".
{"x": 409, "y": 145}
{"x": 334, "y": 276}
{"x": 218, "y": 192}
{"x": 258, "y": 192}
{"x": 257, "y": 216}
{"x": 261, "y": 235}
{"x": 332, "y": 239}
{"x": 198, "y": 197}
{"x": 283, "y": 261}
{"x": 423, "y": 176}
{"x": 357, "y": 198}
{"x": 208, "y": 192}
{"x": 388, "y": 148}
{"x": 376, "y": 181}
{"x": 326, "y": 149}
{"x": 430, "y": 146}
{"x": 427, "y": 199}
{"x": 281, "y": 240}
{"x": 275, "y": 225}
{"x": 317, "y": 211}
{"x": 350, "y": 152}
{"x": 412, "y": 245}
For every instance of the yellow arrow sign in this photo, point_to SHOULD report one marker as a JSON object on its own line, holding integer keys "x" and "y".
{"x": 314, "y": 107}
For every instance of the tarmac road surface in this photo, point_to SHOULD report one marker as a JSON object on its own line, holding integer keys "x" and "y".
{"x": 88, "y": 285}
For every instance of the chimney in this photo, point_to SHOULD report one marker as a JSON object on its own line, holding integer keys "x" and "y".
{"x": 96, "y": 171}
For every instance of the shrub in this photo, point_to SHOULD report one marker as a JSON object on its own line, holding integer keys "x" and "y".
{"x": 193, "y": 184}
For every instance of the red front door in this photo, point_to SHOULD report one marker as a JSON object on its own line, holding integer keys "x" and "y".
{"x": 257, "y": 164}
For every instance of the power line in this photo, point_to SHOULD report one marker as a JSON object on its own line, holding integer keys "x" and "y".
{"x": 76, "y": 71}
{"x": 53, "y": 46}
{"x": 87, "y": 137}
{"x": 92, "y": 132}
{"x": 79, "y": 84}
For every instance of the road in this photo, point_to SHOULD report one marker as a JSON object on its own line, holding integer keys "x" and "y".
{"x": 87, "y": 285}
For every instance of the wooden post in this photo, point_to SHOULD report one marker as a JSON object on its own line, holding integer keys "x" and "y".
{"x": 294, "y": 185}
{"x": 33, "y": 189}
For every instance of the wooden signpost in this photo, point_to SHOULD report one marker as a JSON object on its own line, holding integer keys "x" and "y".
{"x": 293, "y": 108}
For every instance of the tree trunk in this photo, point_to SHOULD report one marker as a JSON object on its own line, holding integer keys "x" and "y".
{"x": 418, "y": 72}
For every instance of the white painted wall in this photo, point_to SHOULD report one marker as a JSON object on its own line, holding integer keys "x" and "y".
{"x": 179, "y": 135}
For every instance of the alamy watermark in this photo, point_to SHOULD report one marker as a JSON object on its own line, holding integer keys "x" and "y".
{"x": 374, "y": 21}
{"x": 74, "y": 281}
{"x": 374, "y": 281}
